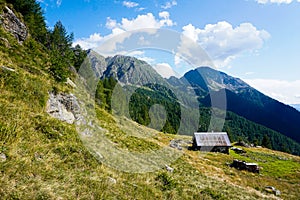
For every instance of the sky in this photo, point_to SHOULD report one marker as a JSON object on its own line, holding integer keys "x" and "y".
{"x": 255, "y": 40}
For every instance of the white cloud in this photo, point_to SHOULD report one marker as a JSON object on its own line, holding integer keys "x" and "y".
{"x": 58, "y": 3}
{"x": 141, "y": 9}
{"x": 281, "y": 90}
{"x": 223, "y": 42}
{"x": 136, "y": 53}
{"x": 88, "y": 43}
{"x": 191, "y": 32}
{"x": 189, "y": 54}
{"x": 140, "y": 22}
{"x": 141, "y": 56}
{"x": 165, "y": 70}
{"x": 275, "y": 1}
{"x": 169, "y": 4}
{"x": 249, "y": 73}
{"x": 149, "y": 60}
{"x": 142, "y": 41}
{"x": 110, "y": 23}
{"x": 178, "y": 60}
{"x": 166, "y": 21}
{"x": 146, "y": 21}
{"x": 130, "y": 4}
{"x": 164, "y": 14}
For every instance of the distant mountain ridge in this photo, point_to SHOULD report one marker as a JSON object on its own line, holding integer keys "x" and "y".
{"x": 207, "y": 77}
{"x": 296, "y": 106}
{"x": 246, "y": 101}
{"x": 241, "y": 99}
{"x": 126, "y": 69}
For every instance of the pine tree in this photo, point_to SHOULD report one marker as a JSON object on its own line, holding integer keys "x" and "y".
{"x": 266, "y": 142}
{"x": 60, "y": 39}
{"x": 79, "y": 56}
{"x": 59, "y": 44}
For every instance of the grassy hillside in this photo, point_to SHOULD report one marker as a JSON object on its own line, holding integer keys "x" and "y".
{"x": 44, "y": 158}
{"x": 47, "y": 160}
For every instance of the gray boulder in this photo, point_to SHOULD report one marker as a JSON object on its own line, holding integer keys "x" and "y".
{"x": 64, "y": 107}
{"x": 13, "y": 25}
{"x": 112, "y": 181}
{"x": 2, "y": 157}
{"x": 180, "y": 144}
{"x": 169, "y": 169}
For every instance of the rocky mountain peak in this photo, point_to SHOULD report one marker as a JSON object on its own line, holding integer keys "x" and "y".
{"x": 126, "y": 69}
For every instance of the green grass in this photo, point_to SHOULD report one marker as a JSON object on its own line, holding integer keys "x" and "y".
{"x": 278, "y": 169}
{"x": 46, "y": 159}
{"x": 116, "y": 133}
{"x": 276, "y": 165}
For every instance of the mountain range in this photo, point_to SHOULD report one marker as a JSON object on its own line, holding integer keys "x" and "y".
{"x": 246, "y": 101}
{"x": 201, "y": 85}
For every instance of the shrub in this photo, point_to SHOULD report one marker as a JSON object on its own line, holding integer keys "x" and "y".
{"x": 167, "y": 182}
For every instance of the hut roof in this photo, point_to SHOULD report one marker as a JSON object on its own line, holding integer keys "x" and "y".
{"x": 212, "y": 139}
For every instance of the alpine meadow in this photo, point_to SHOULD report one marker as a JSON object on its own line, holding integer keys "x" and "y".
{"x": 86, "y": 115}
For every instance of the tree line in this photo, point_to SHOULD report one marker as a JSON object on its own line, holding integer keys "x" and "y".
{"x": 57, "y": 41}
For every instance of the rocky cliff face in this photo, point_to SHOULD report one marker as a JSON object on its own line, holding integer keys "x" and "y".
{"x": 125, "y": 69}
{"x": 97, "y": 62}
{"x": 13, "y": 24}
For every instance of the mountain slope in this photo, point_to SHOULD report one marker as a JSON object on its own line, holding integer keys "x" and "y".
{"x": 199, "y": 83}
{"x": 246, "y": 101}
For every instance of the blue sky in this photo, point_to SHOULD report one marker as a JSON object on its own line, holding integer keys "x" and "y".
{"x": 255, "y": 40}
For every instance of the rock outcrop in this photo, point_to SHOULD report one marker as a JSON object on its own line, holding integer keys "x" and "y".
{"x": 169, "y": 169}
{"x": 64, "y": 107}
{"x": 13, "y": 24}
{"x": 2, "y": 157}
{"x": 180, "y": 144}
